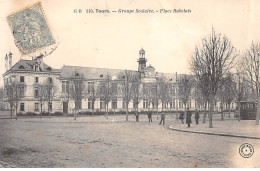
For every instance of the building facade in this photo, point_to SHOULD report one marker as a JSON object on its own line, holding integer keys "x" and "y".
{"x": 33, "y": 73}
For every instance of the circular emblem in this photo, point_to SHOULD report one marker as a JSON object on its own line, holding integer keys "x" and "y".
{"x": 246, "y": 150}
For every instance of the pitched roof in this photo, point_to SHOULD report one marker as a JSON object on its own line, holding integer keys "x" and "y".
{"x": 27, "y": 65}
{"x": 89, "y": 72}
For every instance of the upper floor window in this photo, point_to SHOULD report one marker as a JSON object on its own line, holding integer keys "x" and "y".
{"x": 50, "y": 80}
{"x": 90, "y": 87}
{"x": 36, "y": 68}
{"x": 36, "y": 79}
{"x": 22, "y": 79}
{"x": 65, "y": 86}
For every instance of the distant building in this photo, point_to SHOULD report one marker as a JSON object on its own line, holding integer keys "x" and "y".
{"x": 34, "y": 72}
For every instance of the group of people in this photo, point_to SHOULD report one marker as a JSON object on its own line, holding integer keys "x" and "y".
{"x": 181, "y": 117}
{"x": 188, "y": 117}
{"x": 162, "y": 118}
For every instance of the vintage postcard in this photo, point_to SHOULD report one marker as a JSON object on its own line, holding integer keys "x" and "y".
{"x": 129, "y": 84}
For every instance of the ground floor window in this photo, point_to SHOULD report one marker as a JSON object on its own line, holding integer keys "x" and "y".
{"x": 90, "y": 104}
{"x": 172, "y": 104}
{"x": 180, "y": 104}
{"x": 36, "y": 106}
{"x": 102, "y": 104}
{"x": 22, "y": 107}
{"x": 114, "y": 104}
{"x": 50, "y": 106}
{"x": 124, "y": 105}
{"x": 189, "y": 104}
{"x": 145, "y": 103}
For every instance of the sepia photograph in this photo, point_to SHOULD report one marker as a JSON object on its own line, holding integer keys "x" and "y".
{"x": 129, "y": 84}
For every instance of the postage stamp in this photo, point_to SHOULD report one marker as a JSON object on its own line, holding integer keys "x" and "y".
{"x": 30, "y": 29}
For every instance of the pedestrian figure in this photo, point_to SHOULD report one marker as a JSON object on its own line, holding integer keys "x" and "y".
{"x": 162, "y": 118}
{"x": 197, "y": 116}
{"x": 188, "y": 117}
{"x": 181, "y": 117}
{"x": 137, "y": 116}
{"x": 150, "y": 116}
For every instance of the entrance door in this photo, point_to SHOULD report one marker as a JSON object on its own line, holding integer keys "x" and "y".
{"x": 65, "y": 108}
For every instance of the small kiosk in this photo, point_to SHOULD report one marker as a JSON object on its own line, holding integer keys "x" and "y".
{"x": 248, "y": 106}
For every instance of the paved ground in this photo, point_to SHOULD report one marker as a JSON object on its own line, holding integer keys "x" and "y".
{"x": 98, "y": 142}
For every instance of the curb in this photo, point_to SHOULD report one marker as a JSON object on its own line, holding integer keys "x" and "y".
{"x": 212, "y": 133}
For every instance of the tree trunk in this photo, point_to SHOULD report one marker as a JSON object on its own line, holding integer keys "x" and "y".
{"x": 49, "y": 110}
{"x": 257, "y": 111}
{"x": 11, "y": 112}
{"x": 127, "y": 111}
{"x": 41, "y": 111}
{"x": 211, "y": 110}
{"x": 205, "y": 114}
{"x": 239, "y": 106}
{"x": 107, "y": 110}
{"x": 75, "y": 112}
{"x": 185, "y": 110}
{"x": 16, "y": 111}
{"x": 157, "y": 109}
{"x": 221, "y": 108}
{"x": 229, "y": 110}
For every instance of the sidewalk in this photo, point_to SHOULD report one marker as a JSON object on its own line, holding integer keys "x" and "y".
{"x": 227, "y": 127}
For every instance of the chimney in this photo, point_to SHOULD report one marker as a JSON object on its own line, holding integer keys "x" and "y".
{"x": 10, "y": 60}
{"x": 6, "y": 62}
{"x": 41, "y": 62}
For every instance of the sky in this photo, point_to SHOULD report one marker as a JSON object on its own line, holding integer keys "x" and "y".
{"x": 113, "y": 40}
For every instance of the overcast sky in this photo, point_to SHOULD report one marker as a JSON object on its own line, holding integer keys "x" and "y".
{"x": 114, "y": 40}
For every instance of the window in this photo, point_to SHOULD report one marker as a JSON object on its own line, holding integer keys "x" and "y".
{"x": 50, "y": 80}
{"x": 65, "y": 86}
{"x": 90, "y": 104}
{"x": 36, "y": 80}
{"x": 145, "y": 103}
{"x": 22, "y": 107}
{"x": 90, "y": 87}
{"x": 102, "y": 104}
{"x": 135, "y": 103}
{"x": 114, "y": 104}
{"x": 173, "y": 90}
{"x": 36, "y": 93}
{"x": 172, "y": 104}
{"x": 80, "y": 105}
{"x": 36, "y": 106}
{"x": 124, "y": 105}
{"x": 36, "y": 68}
{"x": 114, "y": 88}
{"x": 50, "y": 106}
{"x": 189, "y": 104}
{"x": 180, "y": 104}
{"x": 22, "y": 92}
{"x": 22, "y": 79}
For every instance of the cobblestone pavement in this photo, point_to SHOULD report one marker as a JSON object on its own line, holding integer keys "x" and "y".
{"x": 99, "y": 142}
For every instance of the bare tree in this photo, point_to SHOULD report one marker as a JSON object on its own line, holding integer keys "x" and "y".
{"x": 229, "y": 92}
{"x": 185, "y": 87}
{"x": 92, "y": 94}
{"x": 162, "y": 92}
{"x": 114, "y": 94}
{"x": 14, "y": 92}
{"x": 241, "y": 89}
{"x": 150, "y": 94}
{"x": 127, "y": 90}
{"x": 42, "y": 95}
{"x": 136, "y": 93}
{"x": 1, "y": 97}
{"x": 251, "y": 66}
{"x": 105, "y": 91}
{"x": 50, "y": 90}
{"x": 77, "y": 88}
{"x": 214, "y": 58}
